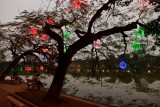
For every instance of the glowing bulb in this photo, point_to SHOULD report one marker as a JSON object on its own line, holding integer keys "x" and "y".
{"x": 33, "y": 31}
{"x": 44, "y": 37}
{"x": 56, "y": 64}
{"x": 97, "y": 44}
{"x": 49, "y": 21}
{"x": 122, "y": 65}
{"x": 128, "y": 71}
{"x": 44, "y": 50}
{"x": 139, "y": 32}
{"x": 42, "y": 56}
{"x": 136, "y": 45}
{"x": 76, "y": 3}
{"x": 41, "y": 68}
{"x": 66, "y": 35}
{"x": 143, "y": 4}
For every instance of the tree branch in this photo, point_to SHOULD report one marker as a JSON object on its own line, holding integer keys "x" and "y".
{"x": 98, "y": 14}
{"x": 78, "y": 32}
{"x": 56, "y": 37}
{"x": 86, "y": 40}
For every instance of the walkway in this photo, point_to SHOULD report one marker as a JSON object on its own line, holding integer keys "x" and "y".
{"x": 7, "y": 86}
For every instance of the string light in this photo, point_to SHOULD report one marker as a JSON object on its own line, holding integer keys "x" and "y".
{"x": 66, "y": 35}
{"x": 136, "y": 45}
{"x": 55, "y": 61}
{"x": 122, "y": 65}
{"x": 139, "y": 32}
{"x": 41, "y": 68}
{"x": 36, "y": 68}
{"x": 97, "y": 44}
{"x": 56, "y": 64}
{"x": 21, "y": 68}
{"x": 64, "y": 48}
{"x": 49, "y": 52}
{"x": 33, "y": 31}
{"x": 76, "y": 3}
{"x": 42, "y": 56}
{"x": 143, "y": 4}
{"x": 44, "y": 50}
{"x": 128, "y": 71}
{"x": 27, "y": 68}
{"x": 44, "y": 37}
{"x": 49, "y": 21}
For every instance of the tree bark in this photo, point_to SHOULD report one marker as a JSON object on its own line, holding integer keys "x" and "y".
{"x": 57, "y": 84}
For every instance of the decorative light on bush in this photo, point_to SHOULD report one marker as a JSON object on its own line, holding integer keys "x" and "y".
{"x": 123, "y": 65}
{"x": 42, "y": 56}
{"x": 56, "y": 64}
{"x": 66, "y": 35}
{"x": 139, "y": 32}
{"x": 41, "y": 68}
{"x": 55, "y": 61}
{"x": 143, "y": 4}
{"x": 128, "y": 71}
{"x": 49, "y": 21}
{"x": 64, "y": 48}
{"x": 27, "y": 68}
{"x": 136, "y": 45}
{"x": 37, "y": 68}
{"x": 44, "y": 50}
{"x": 49, "y": 52}
{"x": 33, "y": 31}
{"x": 44, "y": 37}
{"x": 97, "y": 44}
{"x": 76, "y": 3}
{"x": 21, "y": 69}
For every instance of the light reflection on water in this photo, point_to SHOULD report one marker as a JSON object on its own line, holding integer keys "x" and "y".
{"x": 117, "y": 93}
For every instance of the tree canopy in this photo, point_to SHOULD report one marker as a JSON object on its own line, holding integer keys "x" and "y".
{"x": 113, "y": 23}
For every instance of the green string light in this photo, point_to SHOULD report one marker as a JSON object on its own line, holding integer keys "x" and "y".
{"x": 136, "y": 45}
{"x": 21, "y": 68}
{"x": 66, "y": 35}
{"x": 139, "y": 32}
{"x": 64, "y": 49}
{"x": 128, "y": 71}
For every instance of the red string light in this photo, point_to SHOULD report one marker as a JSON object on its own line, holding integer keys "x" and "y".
{"x": 41, "y": 68}
{"x": 76, "y": 3}
{"x": 97, "y": 44}
{"x": 143, "y": 4}
{"x": 44, "y": 37}
{"x": 33, "y": 31}
{"x": 44, "y": 50}
{"x": 27, "y": 68}
{"x": 49, "y": 21}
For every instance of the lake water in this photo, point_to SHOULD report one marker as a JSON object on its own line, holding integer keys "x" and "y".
{"x": 118, "y": 93}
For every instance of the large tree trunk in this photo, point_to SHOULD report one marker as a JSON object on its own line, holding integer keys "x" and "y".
{"x": 55, "y": 89}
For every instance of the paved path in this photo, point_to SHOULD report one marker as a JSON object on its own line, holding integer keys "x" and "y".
{"x": 6, "y": 87}
{"x": 9, "y": 87}
{"x": 14, "y": 88}
{"x": 3, "y": 100}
